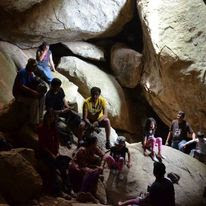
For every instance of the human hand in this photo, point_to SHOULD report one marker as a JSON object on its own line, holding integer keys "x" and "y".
{"x": 95, "y": 124}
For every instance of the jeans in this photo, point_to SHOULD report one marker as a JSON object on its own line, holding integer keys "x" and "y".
{"x": 179, "y": 144}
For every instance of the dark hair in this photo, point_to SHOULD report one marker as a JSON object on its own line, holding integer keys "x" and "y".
{"x": 32, "y": 63}
{"x": 159, "y": 169}
{"x": 91, "y": 140}
{"x": 181, "y": 113}
{"x": 43, "y": 45}
{"x": 56, "y": 82}
{"x": 200, "y": 134}
{"x": 94, "y": 90}
{"x": 148, "y": 123}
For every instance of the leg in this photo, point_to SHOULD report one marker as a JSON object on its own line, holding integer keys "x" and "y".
{"x": 80, "y": 130}
{"x": 181, "y": 145}
{"x": 159, "y": 143}
{"x": 110, "y": 162}
{"x": 129, "y": 202}
{"x": 106, "y": 124}
{"x": 175, "y": 144}
{"x": 151, "y": 142}
{"x": 120, "y": 164}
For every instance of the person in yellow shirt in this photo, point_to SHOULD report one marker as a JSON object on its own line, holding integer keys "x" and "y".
{"x": 95, "y": 112}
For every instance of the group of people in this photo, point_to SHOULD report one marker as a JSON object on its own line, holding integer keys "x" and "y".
{"x": 82, "y": 172}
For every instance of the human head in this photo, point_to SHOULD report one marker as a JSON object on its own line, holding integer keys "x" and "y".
{"x": 95, "y": 92}
{"x": 49, "y": 118}
{"x": 91, "y": 141}
{"x": 200, "y": 135}
{"x": 56, "y": 84}
{"x": 150, "y": 124}
{"x": 180, "y": 116}
{"x": 44, "y": 46}
{"x": 159, "y": 169}
{"x": 120, "y": 141}
{"x": 31, "y": 65}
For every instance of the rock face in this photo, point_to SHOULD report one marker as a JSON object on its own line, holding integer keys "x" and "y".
{"x": 86, "y": 76}
{"x": 126, "y": 65}
{"x": 174, "y": 58}
{"x": 191, "y": 184}
{"x": 19, "y": 181}
{"x": 64, "y": 20}
{"x": 86, "y": 50}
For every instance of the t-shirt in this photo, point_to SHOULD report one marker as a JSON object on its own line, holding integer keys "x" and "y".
{"x": 180, "y": 130}
{"x": 55, "y": 101}
{"x": 23, "y": 77}
{"x": 45, "y": 60}
{"x": 149, "y": 134}
{"x": 95, "y": 111}
{"x": 48, "y": 139}
{"x": 116, "y": 152}
{"x": 162, "y": 193}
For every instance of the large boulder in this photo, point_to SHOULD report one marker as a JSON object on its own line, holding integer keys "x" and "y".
{"x": 19, "y": 180}
{"x": 174, "y": 58}
{"x": 85, "y": 50}
{"x": 189, "y": 191}
{"x": 86, "y": 76}
{"x": 126, "y": 64}
{"x": 56, "y": 20}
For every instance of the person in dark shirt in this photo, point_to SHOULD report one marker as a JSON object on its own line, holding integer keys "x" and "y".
{"x": 25, "y": 92}
{"x": 117, "y": 158}
{"x": 179, "y": 131}
{"x": 161, "y": 192}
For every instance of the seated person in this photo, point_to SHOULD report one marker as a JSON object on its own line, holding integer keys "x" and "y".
{"x": 95, "y": 112}
{"x": 55, "y": 100}
{"x": 117, "y": 158}
{"x": 161, "y": 192}
{"x": 49, "y": 151}
{"x": 45, "y": 61}
{"x": 200, "y": 151}
{"x": 150, "y": 140}
{"x": 85, "y": 167}
{"x": 24, "y": 91}
{"x": 179, "y": 131}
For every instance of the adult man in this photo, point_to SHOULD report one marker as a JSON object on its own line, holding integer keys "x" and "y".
{"x": 25, "y": 91}
{"x": 161, "y": 192}
{"x": 179, "y": 131}
{"x": 95, "y": 112}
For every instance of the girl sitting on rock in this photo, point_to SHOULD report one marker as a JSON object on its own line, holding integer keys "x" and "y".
{"x": 150, "y": 141}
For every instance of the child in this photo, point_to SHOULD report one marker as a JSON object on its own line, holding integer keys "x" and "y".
{"x": 117, "y": 158}
{"x": 150, "y": 140}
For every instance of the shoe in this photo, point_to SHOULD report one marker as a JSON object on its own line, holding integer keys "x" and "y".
{"x": 160, "y": 156}
{"x": 107, "y": 145}
{"x": 154, "y": 158}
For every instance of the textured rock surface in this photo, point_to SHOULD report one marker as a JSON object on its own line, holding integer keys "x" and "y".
{"x": 56, "y": 20}
{"x": 19, "y": 181}
{"x": 86, "y": 50}
{"x": 17, "y": 5}
{"x": 191, "y": 184}
{"x": 174, "y": 56}
{"x": 86, "y": 76}
{"x": 126, "y": 65}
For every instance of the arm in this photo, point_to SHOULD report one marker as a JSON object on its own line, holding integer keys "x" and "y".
{"x": 168, "y": 138}
{"x": 30, "y": 91}
{"x": 52, "y": 63}
{"x": 85, "y": 113}
{"x": 190, "y": 142}
{"x": 41, "y": 54}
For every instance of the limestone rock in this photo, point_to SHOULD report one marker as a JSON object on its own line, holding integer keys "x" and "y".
{"x": 86, "y": 76}
{"x": 17, "y": 5}
{"x": 86, "y": 50}
{"x": 126, "y": 65}
{"x": 56, "y": 21}
{"x": 136, "y": 179}
{"x": 19, "y": 181}
{"x": 174, "y": 58}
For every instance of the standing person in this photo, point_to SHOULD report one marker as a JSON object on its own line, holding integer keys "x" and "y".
{"x": 45, "y": 62}
{"x": 179, "y": 131}
{"x": 49, "y": 152}
{"x": 25, "y": 92}
{"x": 117, "y": 158}
{"x": 95, "y": 112}
{"x": 150, "y": 140}
{"x": 161, "y": 192}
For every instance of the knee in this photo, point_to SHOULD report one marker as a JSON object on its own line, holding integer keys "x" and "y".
{"x": 159, "y": 140}
{"x": 121, "y": 159}
{"x": 107, "y": 121}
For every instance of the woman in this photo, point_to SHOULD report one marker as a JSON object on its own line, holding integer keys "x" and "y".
{"x": 45, "y": 61}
